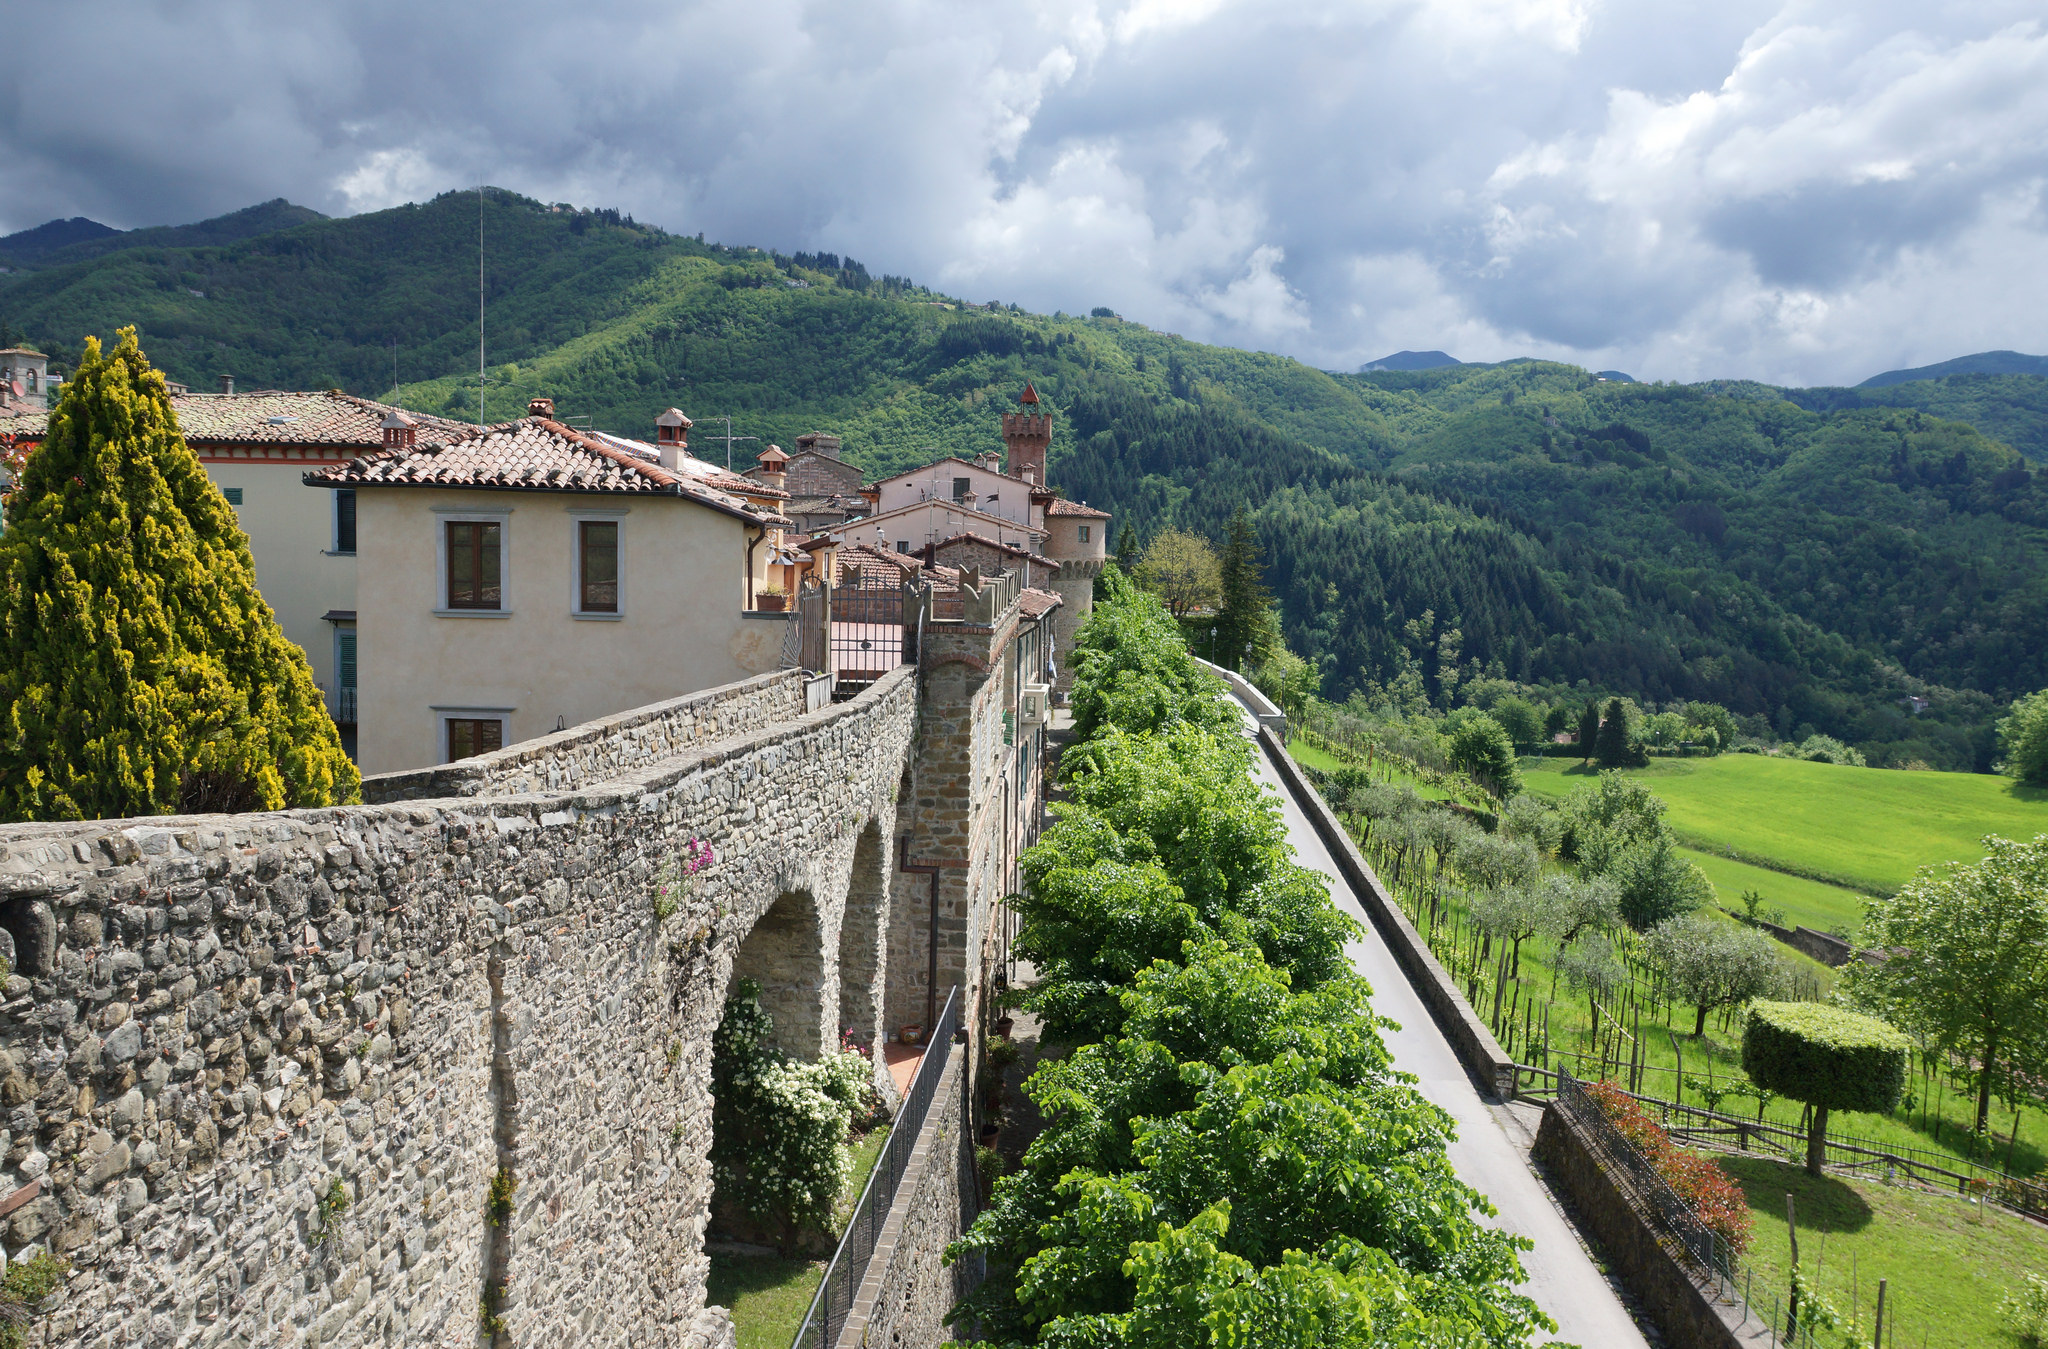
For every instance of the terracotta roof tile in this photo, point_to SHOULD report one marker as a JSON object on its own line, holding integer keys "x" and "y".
{"x": 1037, "y": 603}
{"x": 1062, "y": 506}
{"x": 988, "y": 542}
{"x": 278, "y": 418}
{"x": 531, "y": 454}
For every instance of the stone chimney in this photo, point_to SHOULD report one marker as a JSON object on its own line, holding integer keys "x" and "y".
{"x": 819, "y": 441}
{"x": 541, "y": 407}
{"x": 672, "y": 437}
{"x": 227, "y": 383}
{"x": 1026, "y": 437}
{"x": 772, "y": 461}
{"x": 400, "y": 430}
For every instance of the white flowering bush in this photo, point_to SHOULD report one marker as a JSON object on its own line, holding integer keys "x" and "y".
{"x": 778, "y": 1125}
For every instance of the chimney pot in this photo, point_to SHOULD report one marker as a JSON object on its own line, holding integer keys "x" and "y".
{"x": 541, "y": 407}
{"x": 227, "y": 383}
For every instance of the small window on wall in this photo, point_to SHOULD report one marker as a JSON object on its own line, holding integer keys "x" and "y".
{"x": 474, "y": 564}
{"x": 903, "y": 545}
{"x": 471, "y": 736}
{"x": 961, "y": 486}
{"x": 345, "y": 520}
{"x": 1084, "y": 533}
{"x": 597, "y": 546}
{"x": 233, "y": 494}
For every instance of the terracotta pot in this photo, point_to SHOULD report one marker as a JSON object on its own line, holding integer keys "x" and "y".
{"x": 911, "y": 1035}
{"x": 769, "y": 604}
{"x": 1003, "y": 1025}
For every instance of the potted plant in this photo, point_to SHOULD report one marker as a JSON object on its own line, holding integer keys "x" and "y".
{"x": 770, "y": 599}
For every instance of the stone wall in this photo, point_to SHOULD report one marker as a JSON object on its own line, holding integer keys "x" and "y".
{"x": 602, "y": 750}
{"x": 218, "y": 1018}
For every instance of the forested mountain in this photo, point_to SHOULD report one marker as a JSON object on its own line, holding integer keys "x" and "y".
{"x": 1803, "y": 556}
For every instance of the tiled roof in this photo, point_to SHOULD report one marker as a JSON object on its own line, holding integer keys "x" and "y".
{"x": 274, "y": 418}
{"x": 532, "y": 454}
{"x": 1062, "y": 506}
{"x": 690, "y": 466}
{"x": 988, "y": 542}
{"x": 969, "y": 463}
{"x": 957, "y": 508}
{"x": 1038, "y": 602}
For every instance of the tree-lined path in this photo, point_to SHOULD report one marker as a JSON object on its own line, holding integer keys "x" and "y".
{"x": 1562, "y": 1277}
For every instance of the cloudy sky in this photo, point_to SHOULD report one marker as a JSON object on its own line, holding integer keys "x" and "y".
{"x": 1797, "y": 192}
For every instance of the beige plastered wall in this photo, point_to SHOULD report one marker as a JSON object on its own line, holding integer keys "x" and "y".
{"x": 683, "y": 583}
{"x": 291, "y": 536}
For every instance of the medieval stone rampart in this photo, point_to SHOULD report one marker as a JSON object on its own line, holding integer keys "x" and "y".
{"x": 217, "y": 1019}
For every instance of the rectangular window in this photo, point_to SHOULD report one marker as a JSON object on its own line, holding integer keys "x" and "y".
{"x": 598, "y": 589}
{"x": 961, "y": 487}
{"x": 473, "y": 564}
{"x": 903, "y": 545}
{"x": 233, "y": 494}
{"x": 1084, "y": 533}
{"x": 345, "y": 676}
{"x": 471, "y": 736}
{"x": 345, "y": 520}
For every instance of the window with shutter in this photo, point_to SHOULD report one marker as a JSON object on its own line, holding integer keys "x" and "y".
{"x": 474, "y": 564}
{"x": 345, "y": 520}
{"x": 598, "y": 546}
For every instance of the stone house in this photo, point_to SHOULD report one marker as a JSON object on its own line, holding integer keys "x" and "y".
{"x": 530, "y": 576}
{"x": 25, "y": 379}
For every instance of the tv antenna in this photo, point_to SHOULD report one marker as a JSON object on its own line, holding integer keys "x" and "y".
{"x": 728, "y": 438}
{"x": 479, "y": 306}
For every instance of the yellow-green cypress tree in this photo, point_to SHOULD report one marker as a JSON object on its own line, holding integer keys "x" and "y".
{"x": 141, "y": 673}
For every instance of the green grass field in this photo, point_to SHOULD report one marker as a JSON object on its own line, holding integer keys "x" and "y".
{"x": 1868, "y": 827}
{"x": 1814, "y": 904}
{"x": 1947, "y": 1262}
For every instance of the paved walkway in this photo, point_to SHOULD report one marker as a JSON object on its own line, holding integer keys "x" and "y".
{"x": 1489, "y": 1157}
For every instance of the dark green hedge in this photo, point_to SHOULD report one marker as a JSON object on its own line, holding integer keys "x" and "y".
{"x": 1824, "y": 1056}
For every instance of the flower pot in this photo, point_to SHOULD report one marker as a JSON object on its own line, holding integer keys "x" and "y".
{"x": 989, "y": 1134}
{"x": 769, "y": 604}
{"x": 1003, "y": 1025}
{"x": 911, "y": 1035}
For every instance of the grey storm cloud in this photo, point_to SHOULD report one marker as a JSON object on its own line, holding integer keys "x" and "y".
{"x": 1805, "y": 192}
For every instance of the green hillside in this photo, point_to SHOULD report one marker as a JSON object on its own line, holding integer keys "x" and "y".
{"x": 1804, "y": 566}
{"x": 1865, "y": 827}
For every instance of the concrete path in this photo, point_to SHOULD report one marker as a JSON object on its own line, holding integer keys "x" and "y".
{"x": 1562, "y": 1278}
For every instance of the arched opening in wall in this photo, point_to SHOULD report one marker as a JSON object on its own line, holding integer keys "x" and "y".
{"x": 785, "y": 955}
{"x": 860, "y": 938}
{"x": 28, "y": 937}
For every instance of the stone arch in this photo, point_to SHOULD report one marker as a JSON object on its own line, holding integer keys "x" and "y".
{"x": 785, "y": 955}
{"x": 860, "y": 937}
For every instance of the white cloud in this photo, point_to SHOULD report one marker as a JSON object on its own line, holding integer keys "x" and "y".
{"x": 1790, "y": 189}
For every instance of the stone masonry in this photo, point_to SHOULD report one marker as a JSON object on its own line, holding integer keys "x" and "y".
{"x": 219, "y": 1022}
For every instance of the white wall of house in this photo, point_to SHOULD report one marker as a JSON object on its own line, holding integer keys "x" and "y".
{"x": 291, "y": 536}
{"x": 912, "y": 527}
{"x": 536, "y": 662}
{"x": 995, "y": 494}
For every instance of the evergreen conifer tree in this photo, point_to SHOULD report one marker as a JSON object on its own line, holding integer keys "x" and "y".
{"x": 141, "y": 673}
{"x": 1610, "y": 747}
{"x": 1241, "y": 618}
{"x": 1126, "y": 549}
{"x": 1589, "y": 729}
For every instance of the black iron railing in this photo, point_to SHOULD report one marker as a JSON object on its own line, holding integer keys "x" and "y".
{"x": 841, "y": 1284}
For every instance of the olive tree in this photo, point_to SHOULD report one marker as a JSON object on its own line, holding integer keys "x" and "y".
{"x": 1967, "y": 962}
{"x": 1827, "y": 1057}
{"x": 1712, "y": 963}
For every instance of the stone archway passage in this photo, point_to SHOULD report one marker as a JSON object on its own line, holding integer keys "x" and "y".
{"x": 785, "y": 955}
{"x": 860, "y": 939}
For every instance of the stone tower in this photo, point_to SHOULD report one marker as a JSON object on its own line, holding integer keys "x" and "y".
{"x": 1026, "y": 437}
{"x": 1076, "y": 534}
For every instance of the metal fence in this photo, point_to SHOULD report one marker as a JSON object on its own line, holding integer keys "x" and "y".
{"x": 804, "y": 635}
{"x": 836, "y": 1292}
{"x": 1650, "y": 1192}
{"x": 867, "y": 626}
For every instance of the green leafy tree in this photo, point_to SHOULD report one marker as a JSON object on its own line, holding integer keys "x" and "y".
{"x": 1967, "y": 962}
{"x": 1243, "y": 630}
{"x": 1653, "y": 883}
{"x": 1182, "y": 570}
{"x": 1126, "y": 548}
{"x": 1480, "y": 749}
{"x": 141, "y": 673}
{"x": 2023, "y": 739}
{"x": 1288, "y": 680}
{"x": 1589, "y": 730}
{"x": 1712, "y": 963}
{"x": 1827, "y": 1057}
{"x": 1520, "y": 719}
{"x": 1601, "y": 820}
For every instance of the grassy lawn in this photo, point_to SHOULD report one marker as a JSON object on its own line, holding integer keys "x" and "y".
{"x": 1813, "y": 903}
{"x": 1946, "y": 1270}
{"x": 1870, "y": 827}
{"x": 1316, "y": 757}
{"x": 769, "y": 1296}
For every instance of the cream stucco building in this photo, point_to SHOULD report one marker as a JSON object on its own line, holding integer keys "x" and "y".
{"x": 532, "y": 576}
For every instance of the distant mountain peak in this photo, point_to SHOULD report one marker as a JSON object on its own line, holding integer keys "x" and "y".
{"x": 1983, "y": 363}
{"x": 1410, "y": 360}
{"x": 29, "y": 245}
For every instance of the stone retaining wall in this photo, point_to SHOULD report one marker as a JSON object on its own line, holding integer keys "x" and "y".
{"x": 602, "y": 750}
{"x": 217, "y": 1018}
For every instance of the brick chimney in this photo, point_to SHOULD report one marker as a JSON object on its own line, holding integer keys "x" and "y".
{"x": 1026, "y": 437}
{"x": 772, "y": 461}
{"x": 227, "y": 383}
{"x": 399, "y": 430}
{"x": 672, "y": 437}
{"x": 541, "y": 407}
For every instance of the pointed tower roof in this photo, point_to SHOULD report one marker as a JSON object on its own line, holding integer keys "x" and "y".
{"x": 1030, "y": 395}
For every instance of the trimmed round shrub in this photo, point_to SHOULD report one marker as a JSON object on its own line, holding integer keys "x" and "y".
{"x": 1828, "y": 1058}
